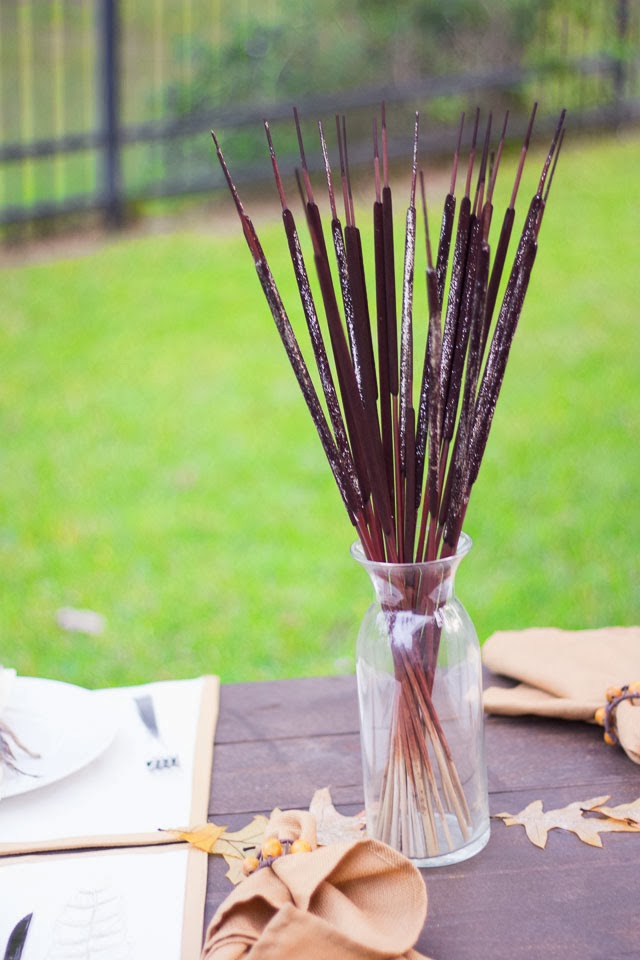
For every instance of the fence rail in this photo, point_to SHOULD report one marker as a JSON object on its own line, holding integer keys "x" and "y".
{"x": 106, "y": 103}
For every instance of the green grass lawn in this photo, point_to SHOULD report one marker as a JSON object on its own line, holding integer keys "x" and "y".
{"x": 159, "y": 466}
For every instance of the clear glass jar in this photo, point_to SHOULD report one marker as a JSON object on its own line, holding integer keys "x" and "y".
{"x": 419, "y": 678}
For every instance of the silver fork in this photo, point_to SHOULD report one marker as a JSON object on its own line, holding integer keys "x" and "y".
{"x": 164, "y": 759}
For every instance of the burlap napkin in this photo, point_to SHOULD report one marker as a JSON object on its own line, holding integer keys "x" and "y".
{"x": 347, "y": 901}
{"x": 566, "y": 674}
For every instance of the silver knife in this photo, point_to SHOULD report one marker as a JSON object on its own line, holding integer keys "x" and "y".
{"x": 15, "y": 946}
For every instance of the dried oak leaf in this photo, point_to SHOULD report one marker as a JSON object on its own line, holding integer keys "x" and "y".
{"x": 233, "y": 846}
{"x": 537, "y": 822}
{"x": 204, "y": 837}
{"x": 628, "y": 813}
{"x": 334, "y": 827}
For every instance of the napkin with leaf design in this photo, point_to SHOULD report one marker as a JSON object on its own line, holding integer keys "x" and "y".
{"x": 587, "y": 675}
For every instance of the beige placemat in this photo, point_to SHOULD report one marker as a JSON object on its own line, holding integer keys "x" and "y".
{"x": 140, "y": 902}
{"x": 115, "y": 801}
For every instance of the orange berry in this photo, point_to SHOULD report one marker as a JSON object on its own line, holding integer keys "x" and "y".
{"x": 271, "y": 847}
{"x": 609, "y": 739}
{"x": 300, "y": 846}
{"x": 599, "y": 716}
{"x": 613, "y": 693}
{"x": 635, "y": 687}
{"x": 250, "y": 865}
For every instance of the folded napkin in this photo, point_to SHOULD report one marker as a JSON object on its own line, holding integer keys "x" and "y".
{"x": 566, "y": 674}
{"x": 348, "y": 901}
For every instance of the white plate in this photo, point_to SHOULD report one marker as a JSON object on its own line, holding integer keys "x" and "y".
{"x": 66, "y": 725}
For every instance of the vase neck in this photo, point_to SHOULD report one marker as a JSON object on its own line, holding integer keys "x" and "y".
{"x": 417, "y": 586}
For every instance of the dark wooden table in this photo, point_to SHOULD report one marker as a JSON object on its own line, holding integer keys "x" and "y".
{"x": 277, "y": 742}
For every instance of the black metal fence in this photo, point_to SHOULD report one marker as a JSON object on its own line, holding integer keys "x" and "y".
{"x": 106, "y": 104}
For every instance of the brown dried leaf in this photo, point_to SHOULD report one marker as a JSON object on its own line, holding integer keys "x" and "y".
{"x": 334, "y": 827}
{"x": 537, "y": 823}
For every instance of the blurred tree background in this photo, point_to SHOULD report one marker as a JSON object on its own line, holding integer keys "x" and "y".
{"x": 106, "y": 104}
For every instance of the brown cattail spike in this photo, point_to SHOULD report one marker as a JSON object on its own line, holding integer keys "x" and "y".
{"x": 379, "y": 447}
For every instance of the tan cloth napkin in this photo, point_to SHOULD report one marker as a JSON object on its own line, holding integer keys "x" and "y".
{"x": 347, "y": 901}
{"x": 565, "y": 674}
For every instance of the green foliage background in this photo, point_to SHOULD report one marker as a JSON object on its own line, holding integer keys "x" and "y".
{"x": 159, "y": 466}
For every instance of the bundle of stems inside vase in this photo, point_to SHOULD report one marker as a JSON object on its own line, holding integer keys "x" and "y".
{"x": 404, "y": 427}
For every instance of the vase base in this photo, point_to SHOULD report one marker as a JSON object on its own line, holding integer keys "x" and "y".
{"x": 454, "y": 856}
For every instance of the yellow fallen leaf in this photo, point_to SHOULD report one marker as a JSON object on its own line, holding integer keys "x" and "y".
{"x": 537, "y": 822}
{"x": 233, "y": 846}
{"x": 239, "y": 843}
{"x": 203, "y": 837}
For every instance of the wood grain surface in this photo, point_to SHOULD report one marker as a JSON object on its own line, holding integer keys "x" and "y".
{"x": 277, "y": 742}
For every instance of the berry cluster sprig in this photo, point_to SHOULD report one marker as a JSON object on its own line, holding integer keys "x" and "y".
{"x": 272, "y": 849}
{"x": 605, "y": 716}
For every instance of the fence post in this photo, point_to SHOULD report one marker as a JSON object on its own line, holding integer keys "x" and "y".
{"x": 109, "y": 112}
{"x": 619, "y": 65}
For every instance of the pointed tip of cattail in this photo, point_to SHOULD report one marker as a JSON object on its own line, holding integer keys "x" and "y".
{"x": 267, "y": 130}
{"x": 523, "y": 153}
{"x": 414, "y": 167}
{"x": 472, "y": 153}
{"x": 504, "y": 126}
{"x": 352, "y": 213}
{"x": 557, "y": 137}
{"x": 274, "y": 164}
{"x": 303, "y": 158}
{"x": 496, "y": 160}
{"x": 456, "y": 156}
{"x": 385, "y": 146}
{"x": 558, "y": 148}
{"x": 527, "y": 138}
{"x": 423, "y": 194}
{"x": 327, "y": 170}
{"x": 482, "y": 174}
{"x": 296, "y": 120}
{"x": 476, "y": 125}
{"x": 341, "y": 133}
{"x": 376, "y": 160}
{"x": 227, "y": 176}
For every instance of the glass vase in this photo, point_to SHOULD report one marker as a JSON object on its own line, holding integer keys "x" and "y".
{"x": 421, "y": 720}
